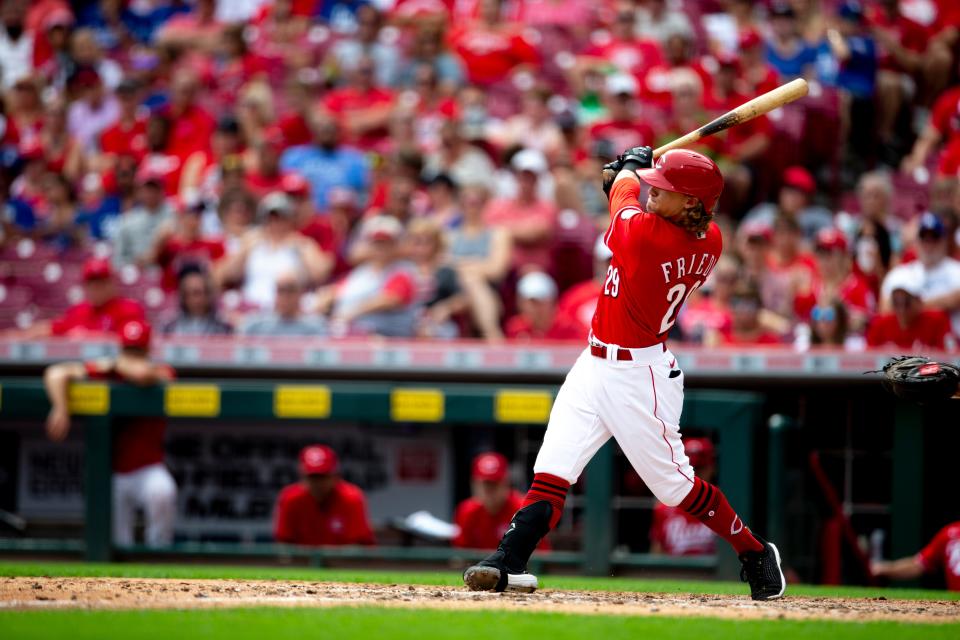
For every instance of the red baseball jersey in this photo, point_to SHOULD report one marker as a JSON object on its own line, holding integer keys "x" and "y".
{"x": 480, "y": 529}
{"x": 931, "y": 329}
{"x": 137, "y": 441}
{"x": 656, "y": 265}
{"x": 83, "y": 317}
{"x": 679, "y": 533}
{"x": 944, "y": 552}
{"x": 341, "y": 519}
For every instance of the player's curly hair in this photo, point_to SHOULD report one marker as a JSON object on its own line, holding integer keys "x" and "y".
{"x": 696, "y": 219}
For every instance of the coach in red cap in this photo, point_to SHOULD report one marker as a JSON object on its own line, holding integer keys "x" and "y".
{"x": 675, "y": 532}
{"x": 484, "y": 516}
{"x": 101, "y": 311}
{"x": 140, "y": 478}
{"x": 323, "y": 508}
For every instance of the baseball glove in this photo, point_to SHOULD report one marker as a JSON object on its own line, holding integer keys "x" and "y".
{"x": 920, "y": 379}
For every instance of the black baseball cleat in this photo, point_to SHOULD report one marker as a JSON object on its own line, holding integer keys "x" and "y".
{"x": 762, "y": 570}
{"x": 490, "y": 574}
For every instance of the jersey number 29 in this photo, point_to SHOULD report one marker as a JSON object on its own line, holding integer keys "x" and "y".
{"x": 676, "y": 296}
{"x": 612, "y": 285}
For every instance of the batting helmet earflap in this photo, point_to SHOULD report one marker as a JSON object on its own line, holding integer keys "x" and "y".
{"x": 687, "y": 172}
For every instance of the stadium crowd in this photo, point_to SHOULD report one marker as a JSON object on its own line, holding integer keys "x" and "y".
{"x": 431, "y": 168}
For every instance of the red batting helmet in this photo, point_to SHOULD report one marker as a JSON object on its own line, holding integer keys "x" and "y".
{"x": 686, "y": 172}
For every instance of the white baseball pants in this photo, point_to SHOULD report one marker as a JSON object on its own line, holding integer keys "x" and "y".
{"x": 152, "y": 489}
{"x": 636, "y": 402}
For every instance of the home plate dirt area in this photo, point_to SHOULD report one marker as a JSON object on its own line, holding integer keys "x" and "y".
{"x": 137, "y": 593}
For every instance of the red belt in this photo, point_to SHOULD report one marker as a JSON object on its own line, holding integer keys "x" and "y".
{"x": 601, "y": 352}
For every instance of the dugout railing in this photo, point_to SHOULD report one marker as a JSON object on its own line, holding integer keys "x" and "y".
{"x": 734, "y": 415}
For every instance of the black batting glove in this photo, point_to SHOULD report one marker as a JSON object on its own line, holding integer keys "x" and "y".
{"x": 637, "y": 158}
{"x": 610, "y": 171}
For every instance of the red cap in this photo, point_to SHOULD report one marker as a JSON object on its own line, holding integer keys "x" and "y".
{"x": 135, "y": 333}
{"x": 757, "y": 229}
{"x": 96, "y": 269}
{"x": 725, "y": 59}
{"x": 799, "y": 178}
{"x": 147, "y": 174}
{"x": 700, "y": 451}
{"x": 489, "y": 466}
{"x": 31, "y": 149}
{"x": 831, "y": 239}
{"x": 294, "y": 184}
{"x": 318, "y": 459}
{"x": 749, "y": 38}
{"x": 687, "y": 172}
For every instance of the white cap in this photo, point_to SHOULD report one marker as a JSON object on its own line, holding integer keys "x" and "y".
{"x": 600, "y": 250}
{"x": 382, "y": 228}
{"x": 537, "y": 286}
{"x": 275, "y": 201}
{"x": 529, "y": 160}
{"x": 621, "y": 83}
{"x": 905, "y": 279}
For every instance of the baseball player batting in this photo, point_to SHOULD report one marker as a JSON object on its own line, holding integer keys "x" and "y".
{"x": 626, "y": 383}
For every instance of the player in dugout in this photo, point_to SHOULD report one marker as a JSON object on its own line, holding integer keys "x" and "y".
{"x": 140, "y": 478}
{"x": 483, "y": 518}
{"x": 323, "y": 508}
{"x": 943, "y": 552}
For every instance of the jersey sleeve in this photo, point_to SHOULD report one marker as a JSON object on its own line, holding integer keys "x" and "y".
{"x": 628, "y": 221}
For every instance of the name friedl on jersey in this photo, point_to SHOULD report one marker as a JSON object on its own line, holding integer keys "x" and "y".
{"x": 700, "y": 264}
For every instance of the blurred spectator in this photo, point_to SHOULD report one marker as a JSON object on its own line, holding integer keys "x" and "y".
{"x": 909, "y": 326}
{"x": 836, "y": 280}
{"x": 622, "y": 127}
{"x": 86, "y": 52}
{"x": 191, "y": 126}
{"x": 656, "y": 19}
{"x": 533, "y": 128}
{"x": 628, "y": 52}
{"x": 937, "y": 273}
{"x": 235, "y": 214}
{"x": 491, "y": 48}
{"x": 529, "y": 219}
{"x": 463, "y": 162}
{"x": 205, "y": 171}
{"x": 444, "y": 201}
{"x": 674, "y": 532}
{"x": 270, "y": 250}
{"x": 745, "y": 320}
{"x": 197, "y": 312}
{"x": 181, "y": 241}
{"x": 481, "y": 253}
{"x": 438, "y": 287}
{"x": 287, "y": 317}
{"x": 327, "y": 163}
{"x": 16, "y": 43}
{"x": 538, "y": 318}
{"x": 872, "y": 254}
{"x": 579, "y": 302}
{"x": 323, "y": 508}
{"x": 139, "y": 227}
{"x": 485, "y": 515}
{"x": 427, "y": 48}
{"x": 199, "y": 29}
{"x": 379, "y": 295}
{"x": 786, "y": 49}
{"x": 830, "y": 325}
{"x": 367, "y": 46}
{"x": 794, "y": 201}
{"x": 361, "y": 108}
{"x": 265, "y": 175}
{"x": 875, "y": 198}
{"x": 790, "y": 266}
{"x": 102, "y": 310}
{"x": 938, "y": 554}
{"x": 942, "y": 127}
{"x": 59, "y": 226}
{"x": 140, "y": 479}
{"x": 98, "y": 211}
{"x": 61, "y": 149}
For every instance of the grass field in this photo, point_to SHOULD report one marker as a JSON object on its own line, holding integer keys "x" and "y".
{"x": 276, "y": 623}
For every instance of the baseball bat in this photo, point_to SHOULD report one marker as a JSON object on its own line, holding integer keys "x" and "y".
{"x": 765, "y": 103}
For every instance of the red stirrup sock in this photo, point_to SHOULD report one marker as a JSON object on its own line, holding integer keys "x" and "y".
{"x": 707, "y": 504}
{"x": 548, "y": 488}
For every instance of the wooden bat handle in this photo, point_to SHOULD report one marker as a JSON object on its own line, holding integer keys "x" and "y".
{"x": 760, "y": 105}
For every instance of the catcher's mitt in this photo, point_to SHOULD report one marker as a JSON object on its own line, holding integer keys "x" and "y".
{"x": 920, "y": 379}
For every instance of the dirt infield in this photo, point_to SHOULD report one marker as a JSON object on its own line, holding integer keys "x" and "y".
{"x": 130, "y": 593}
